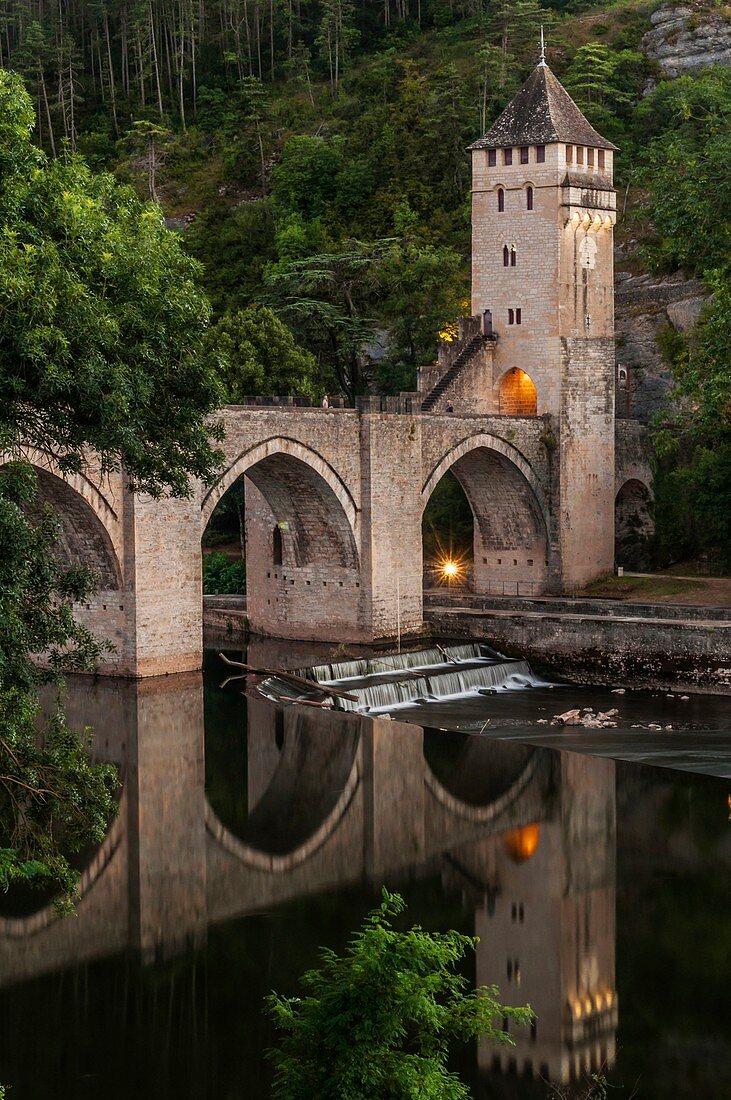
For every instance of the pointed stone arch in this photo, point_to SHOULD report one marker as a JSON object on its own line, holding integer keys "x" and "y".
{"x": 511, "y": 522}
{"x": 280, "y": 445}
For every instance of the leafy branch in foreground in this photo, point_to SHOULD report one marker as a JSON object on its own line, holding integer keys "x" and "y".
{"x": 378, "y": 1020}
{"x": 102, "y": 349}
{"x": 58, "y": 800}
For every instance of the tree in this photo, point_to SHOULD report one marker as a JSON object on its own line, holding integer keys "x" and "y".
{"x": 326, "y": 296}
{"x": 690, "y": 205}
{"x": 259, "y": 355}
{"x": 102, "y": 348}
{"x": 424, "y": 289}
{"x": 378, "y": 1020}
{"x": 337, "y": 36}
{"x": 149, "y": 139}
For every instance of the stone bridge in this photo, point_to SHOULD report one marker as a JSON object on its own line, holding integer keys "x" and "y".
{"x": 332, "y": 799}
{"x": 334, "y": 504}
{"x": 524, "y": 836}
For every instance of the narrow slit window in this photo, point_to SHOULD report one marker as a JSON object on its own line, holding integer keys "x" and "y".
{"x": 506, "y": 255}
{"x": 507, "y": 156}
{"x": 500, "y": 200}
{"x": 491, "y": 158}
{"x": 513, "y": 256}
{"x": 569, "y": 154}
{"x": 518, "y": 317}
{"x": 529, "y": 198}
{"x": 579, "y": 154}
{"x": 540, "y": 154}
{"x": 524, "y": 154}
{"x": 600, "y": 158}
{"x": 590, "y": 157}
{"x": 511, "y": 316}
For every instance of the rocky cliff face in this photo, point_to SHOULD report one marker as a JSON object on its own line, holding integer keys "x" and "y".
{"x": 645, "y": 304}
{"x": 686, "y": 39}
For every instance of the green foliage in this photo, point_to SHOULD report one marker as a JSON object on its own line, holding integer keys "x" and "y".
{"x": 102, "y": 347}
{"x": 448, "y": 523}
{"x": 258, "y": 355}
{"x": 53, "y": 801}
{"x": 690, "y": 189}
{"x": 36, "y": 593}
{"x": 103, "y": 327}
{"x": 221, "y": 576}
{"x": 378, "y": 1020}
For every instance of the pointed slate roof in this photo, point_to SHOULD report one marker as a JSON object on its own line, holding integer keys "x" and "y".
{"x": 542, "y": 112}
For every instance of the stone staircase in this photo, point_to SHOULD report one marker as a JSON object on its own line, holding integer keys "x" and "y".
{"x": 468, "y": 349}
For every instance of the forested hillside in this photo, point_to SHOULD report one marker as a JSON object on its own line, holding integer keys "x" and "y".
{"x": 312, "y": 152}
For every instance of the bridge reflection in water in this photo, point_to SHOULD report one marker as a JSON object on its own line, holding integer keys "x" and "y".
{"x": 299, "y": 803}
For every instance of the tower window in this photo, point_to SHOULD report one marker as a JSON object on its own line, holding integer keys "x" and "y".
{"x": 518, "y": 317}
{"x": 507, "y": 156}
{"x": 529, "y": 198}
{"x": 540, "y": 154}
{"x": 600, "y": 158}
{"x": 506, "y": 256}
{"x": 513, "y": 256}
{"x": 569, "y": 154}
{"x": 511, "y": 316}
{"x": 579, "y": 154}
{"x": 491, "y": 158}
{"x": 500, "y": 199}
{"x": 590, "y": 157}
{"x": 524, "y": 154}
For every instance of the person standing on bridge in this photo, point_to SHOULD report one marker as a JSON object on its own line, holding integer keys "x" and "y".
{"x": 450, "y": 407}
{"x": 325, "y": 402}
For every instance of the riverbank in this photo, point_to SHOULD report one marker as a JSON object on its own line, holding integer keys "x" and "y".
{"x": 600, "y": 642}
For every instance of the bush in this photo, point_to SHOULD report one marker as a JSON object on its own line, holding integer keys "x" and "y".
{"x": 221, "y": 576}
{"x": 378, "y": 1020}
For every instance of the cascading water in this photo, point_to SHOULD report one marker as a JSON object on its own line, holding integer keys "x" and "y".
{"x": 380, "y": 684}
{"x": 420, "y": 658}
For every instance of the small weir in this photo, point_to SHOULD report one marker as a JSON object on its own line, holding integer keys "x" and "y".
{"x": 380, "y": 684}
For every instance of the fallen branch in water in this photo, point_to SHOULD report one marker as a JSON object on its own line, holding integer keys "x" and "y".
{"x": 300, "y": 681}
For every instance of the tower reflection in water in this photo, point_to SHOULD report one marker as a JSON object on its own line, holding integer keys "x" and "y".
{"x": 299, "y": 803}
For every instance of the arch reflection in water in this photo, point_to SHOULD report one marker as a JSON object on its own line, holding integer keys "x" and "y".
{"x": 333, "y": 801}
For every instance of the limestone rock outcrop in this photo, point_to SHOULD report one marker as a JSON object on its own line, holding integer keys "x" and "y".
{"x": 686, "y": 39}
{"x": 644, "y": 305}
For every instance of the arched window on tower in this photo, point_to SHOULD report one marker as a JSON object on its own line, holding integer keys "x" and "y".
{"x": 506, "y": 256}
{"x": 529, "y": 198}
{"x": 513, "y": 256}
{"x": 500, "y": 199}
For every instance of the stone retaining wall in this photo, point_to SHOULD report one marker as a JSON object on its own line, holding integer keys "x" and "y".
{"x": 688, "y": 654}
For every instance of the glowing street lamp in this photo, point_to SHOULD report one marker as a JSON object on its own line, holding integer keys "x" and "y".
{"x": 450, "y": 569}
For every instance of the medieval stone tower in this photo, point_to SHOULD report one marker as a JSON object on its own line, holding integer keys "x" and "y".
{"x": 543, "y": 210}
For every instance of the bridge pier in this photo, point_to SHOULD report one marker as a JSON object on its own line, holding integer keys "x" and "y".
{"x": 161, "y": 584}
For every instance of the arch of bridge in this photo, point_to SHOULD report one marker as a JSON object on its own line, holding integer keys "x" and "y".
{"x": 90, "y": 525}
{"x": 502, "y": 488}
{"x": 282, "y": 862}
{"x": 482, "y": 441}
{"x": 516, "y": 769}
{"x": 273, "y": 446}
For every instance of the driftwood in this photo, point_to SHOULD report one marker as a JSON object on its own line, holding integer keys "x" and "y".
{"x": 447, "y": 657}
{"x": 291, "y": 677}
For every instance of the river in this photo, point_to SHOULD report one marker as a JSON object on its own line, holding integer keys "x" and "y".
{"x": 594, "y": 864}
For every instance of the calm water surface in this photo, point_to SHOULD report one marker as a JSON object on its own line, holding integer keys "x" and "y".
{"x": 600, "y": 887}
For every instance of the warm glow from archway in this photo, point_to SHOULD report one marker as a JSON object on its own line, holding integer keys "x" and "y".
{"x": 518, "y": 396}
{"x": 450, "y": 569}
{"x": 521, "y": 844}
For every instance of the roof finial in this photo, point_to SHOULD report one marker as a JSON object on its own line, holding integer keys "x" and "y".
{"x": 543, "y": 49}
